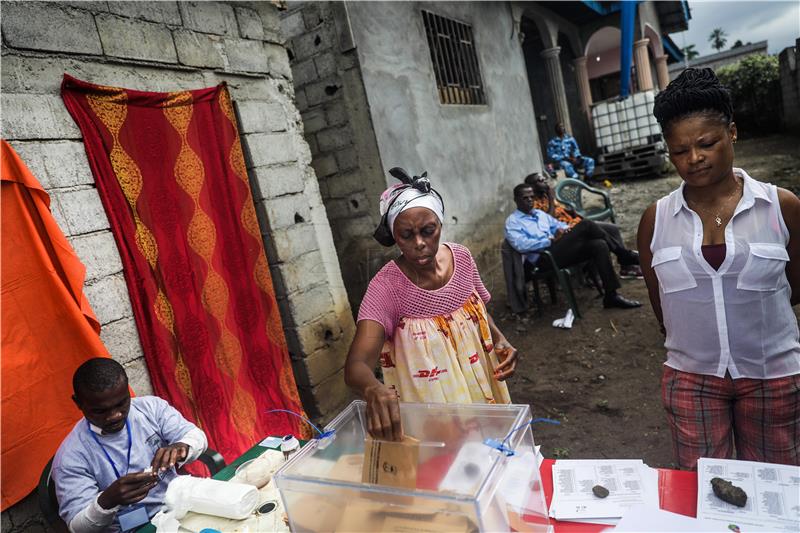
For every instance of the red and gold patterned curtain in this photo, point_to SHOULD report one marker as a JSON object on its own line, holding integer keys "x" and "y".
{"x": 171, "y": 174}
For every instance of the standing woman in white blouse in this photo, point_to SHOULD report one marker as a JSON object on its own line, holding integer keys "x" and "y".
{"x": 721, "y": 259}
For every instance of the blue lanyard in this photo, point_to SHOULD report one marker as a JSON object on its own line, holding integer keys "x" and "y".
{"x": 110, "y": 460}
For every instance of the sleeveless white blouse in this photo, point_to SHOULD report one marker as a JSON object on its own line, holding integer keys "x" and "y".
{"x": 738, "y": 318}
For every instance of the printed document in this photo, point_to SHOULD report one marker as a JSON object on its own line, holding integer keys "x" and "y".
{"x": 629, "y": 482}
{"x": 773, "y": 495}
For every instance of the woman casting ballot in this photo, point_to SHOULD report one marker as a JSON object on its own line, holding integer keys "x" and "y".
{"x": 424, "y": 317}
{"x": 721, "y": 258}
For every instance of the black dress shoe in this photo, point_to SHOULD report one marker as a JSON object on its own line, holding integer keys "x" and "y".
{"x": 617, "y": 300}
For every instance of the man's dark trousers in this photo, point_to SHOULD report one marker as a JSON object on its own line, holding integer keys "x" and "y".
{"x": 585, "y": 242}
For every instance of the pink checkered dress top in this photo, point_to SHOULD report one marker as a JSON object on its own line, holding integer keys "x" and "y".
{"x": 438, "y": 345}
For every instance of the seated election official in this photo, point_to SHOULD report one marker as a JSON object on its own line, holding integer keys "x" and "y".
{"x": 113, "y": 468}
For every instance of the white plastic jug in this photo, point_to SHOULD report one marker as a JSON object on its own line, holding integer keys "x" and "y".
{"x": 210, "y": 496}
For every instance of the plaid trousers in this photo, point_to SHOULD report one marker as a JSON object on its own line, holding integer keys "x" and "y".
{"x": 759, "y": 419}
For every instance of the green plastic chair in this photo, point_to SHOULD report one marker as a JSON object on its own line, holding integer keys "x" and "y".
{"x": 569, "y": 192}
{"x": 555, "y": 273}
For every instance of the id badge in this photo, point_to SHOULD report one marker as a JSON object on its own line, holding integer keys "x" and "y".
{"x": 132, "y": 517}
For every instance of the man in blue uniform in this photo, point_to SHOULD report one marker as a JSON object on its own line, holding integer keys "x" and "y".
{"x": 563, "y": 151}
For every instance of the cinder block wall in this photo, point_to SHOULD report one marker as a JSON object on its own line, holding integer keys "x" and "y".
{"x": 170, "y": 46}
{"x": 338, "y": 128}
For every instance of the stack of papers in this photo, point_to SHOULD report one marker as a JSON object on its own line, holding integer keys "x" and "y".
{"x": 773, "y": 495}
{"x": 630, "y": 483}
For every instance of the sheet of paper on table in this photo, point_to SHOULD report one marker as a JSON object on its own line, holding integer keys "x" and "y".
{"x": 773, "y": 495}
{"x": 270, "y": 442}
{"x": 642, "y": 519}
{"x": 630, "y": 483}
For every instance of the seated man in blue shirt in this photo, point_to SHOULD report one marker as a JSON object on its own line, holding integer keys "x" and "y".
{"x": 530, "y": 230}
{"x": 113, "y": 468}
{"x": 563, "y": 151}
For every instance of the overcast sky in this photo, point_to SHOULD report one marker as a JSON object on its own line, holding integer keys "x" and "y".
{"x": 776, "y": 22}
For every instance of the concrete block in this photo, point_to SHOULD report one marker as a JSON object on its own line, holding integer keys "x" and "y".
{"x": 199, "y": 49}
{"x": 270, "y": 148}
{"x": 122, "y": 340}
{"x": 336, "y": 113}
{"x": 299, "y": 274}
{"x": 324, "y": 332}
{"x": 347, "y": 159}
{"x": 300, "y": 100}
{"x": 324, "y": 363}
{"x": 334, "y": 138}
{"x": 48, "y": 26}
{"x": 305, "y": 306}
{"x": 324, "y": 165}
{"x": 244, "y": 87}
{"x": 139, "y": 377}
{"x": 326, "y": 64}
{"x": 322, "y": 91}
{"x": 98, "y": 7}
{"x": 209, "y": 17}
{"x": 277, "y": 181}
{"x": 304, "y": 72}
{"x": 163, "y": 12}
{"x": 356, "y": 228}
{"x": 270, "y": 21}
{"x": 313, "y": 42}
{"x": 58, "y": 215}
{"x": 109, "y": 299}
{"x": 258, "y": 116}
{"x": 56, "y": 163}
{"x": 250, "y": 25}
{"x": 313, "y": 145}
{"x": 284, "y": 211}
{"x": 98, "y": 252}
{"x": 36, "y": 116}
{"x": 293, "y": 25}
{"x": 311, "y": 16}
{"x": 314, "y": 121}
{"x": 330, "y": 397}
{"x": 83, "y": 211}
{"x": 285, "y": 244}
{"x": 246, "y": 56}
{"x": 42, "y": 75}
{"x": 336, "y": 208}
{"x": 136, "y": 39}
{"x": 278, "y": 60}
{"x": 357, "y": 204}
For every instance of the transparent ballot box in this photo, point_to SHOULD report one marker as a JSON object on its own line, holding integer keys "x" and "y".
{"x": 456, "y": 471}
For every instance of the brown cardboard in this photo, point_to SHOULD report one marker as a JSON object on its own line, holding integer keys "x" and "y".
{"x": 391, "y": 463}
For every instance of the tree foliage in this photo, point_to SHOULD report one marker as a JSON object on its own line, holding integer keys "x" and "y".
{"x": 754, "y": 83}
{"x": 690, "y": 52}
{"x": 718, "y": 38}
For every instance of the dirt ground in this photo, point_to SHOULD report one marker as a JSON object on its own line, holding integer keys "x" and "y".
{"x": 601, "y": 378}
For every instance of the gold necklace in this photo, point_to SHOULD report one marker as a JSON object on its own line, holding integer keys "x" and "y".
{"x": 723, "y": 205}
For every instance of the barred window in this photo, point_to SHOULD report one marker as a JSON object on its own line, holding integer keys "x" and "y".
{"x": 455, "y": 61}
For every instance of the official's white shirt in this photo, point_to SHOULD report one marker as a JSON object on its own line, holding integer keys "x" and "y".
{"x": 738, "y": 318}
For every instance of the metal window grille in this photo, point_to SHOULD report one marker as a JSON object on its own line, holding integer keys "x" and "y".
{"x": 455, "y": 61}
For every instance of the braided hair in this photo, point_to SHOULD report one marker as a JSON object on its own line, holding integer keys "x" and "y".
{"x": 696, "y": 91}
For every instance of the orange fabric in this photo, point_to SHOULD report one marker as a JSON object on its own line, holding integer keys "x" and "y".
{"x": 48, "y": 330}
{"x": 559, "y": 213}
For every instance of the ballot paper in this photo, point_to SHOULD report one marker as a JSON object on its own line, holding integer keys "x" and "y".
{"x": 773, "y": 495}
{"x": 630, "y": 483}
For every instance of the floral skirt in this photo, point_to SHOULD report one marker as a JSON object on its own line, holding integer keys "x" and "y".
{"x": 444, "y": 359}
